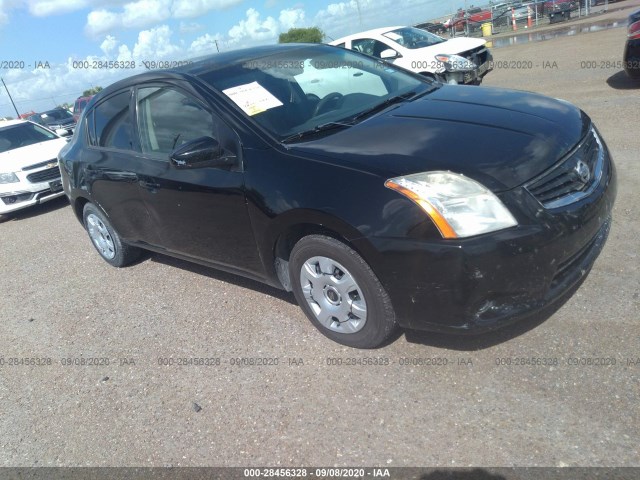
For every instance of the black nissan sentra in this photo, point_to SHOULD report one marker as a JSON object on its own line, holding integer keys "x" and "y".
{"x": 380, "y": 198}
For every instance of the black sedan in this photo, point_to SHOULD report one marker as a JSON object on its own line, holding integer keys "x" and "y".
{"x": 632, "y": 47}
{"x": 379, "y": 197}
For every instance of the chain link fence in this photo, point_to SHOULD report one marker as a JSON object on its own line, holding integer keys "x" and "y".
{"x": 497, "y": 18}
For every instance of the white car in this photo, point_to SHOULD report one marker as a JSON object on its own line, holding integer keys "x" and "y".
{"x": 29, "y": 172}
{"x": 458, "y": 60}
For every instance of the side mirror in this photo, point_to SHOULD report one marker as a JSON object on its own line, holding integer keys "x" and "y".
{"x": 201, "y": 152}
{"x": 389, "y": 54}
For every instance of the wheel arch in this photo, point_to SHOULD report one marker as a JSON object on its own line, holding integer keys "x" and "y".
{"x": 78, "y": 207}
{"x": 293, "y": 226}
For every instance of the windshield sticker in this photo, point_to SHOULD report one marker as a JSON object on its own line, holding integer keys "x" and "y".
{"x": 252, "y": 98}
{"x": 393, "y": 36}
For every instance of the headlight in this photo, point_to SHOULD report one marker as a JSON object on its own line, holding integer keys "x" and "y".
{"x": 459, "y": 207}
{"x": 455, "y": 63}
{"x": 8, "y": 178}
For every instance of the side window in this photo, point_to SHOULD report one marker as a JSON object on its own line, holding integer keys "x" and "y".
{"x": 112, "y": 120}
{"x": 369, "y": 46}
{"x": 168, "y": 118}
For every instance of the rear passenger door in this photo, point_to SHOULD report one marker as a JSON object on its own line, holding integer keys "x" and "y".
{"x": 112, "y": 162}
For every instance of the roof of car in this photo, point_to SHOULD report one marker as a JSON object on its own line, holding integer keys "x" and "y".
{"x": 8, "y": 123}
{"x": 375, "y": 31}
{"x": 209, "y": 63}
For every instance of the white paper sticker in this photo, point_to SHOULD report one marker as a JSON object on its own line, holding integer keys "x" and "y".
{"x": 393, "y": 36}
{"x": 252, "y": 98}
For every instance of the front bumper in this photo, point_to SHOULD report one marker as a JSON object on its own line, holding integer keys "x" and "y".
{"x": 470, "y": 77}
{"x": 23, "y": 194}
{"x": 486, "y": 282}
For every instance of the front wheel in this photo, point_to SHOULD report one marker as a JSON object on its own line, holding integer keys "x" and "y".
{"x": 339, "y": 293}
{"x": 106, "y": 240}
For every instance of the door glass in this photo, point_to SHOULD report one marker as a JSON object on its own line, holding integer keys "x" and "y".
{"x": 112, "y": 120}
{"x": 168, "y": 118}
{"x": 369, "y": 46}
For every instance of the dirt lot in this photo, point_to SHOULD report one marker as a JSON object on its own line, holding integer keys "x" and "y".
{"x": 60, "y": 301}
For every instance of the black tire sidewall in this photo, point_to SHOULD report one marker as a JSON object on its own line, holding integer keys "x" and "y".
{"x": 121, "y": 258}
{"x": 380, "y": 322}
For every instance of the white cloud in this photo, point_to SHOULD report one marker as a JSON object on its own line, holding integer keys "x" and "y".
{"x": 142, "y": 13}
{"x": 109, "y": 44}
{"x": 155, "y": 44}
{"x": 205, "y": 44}
{"x": 40, "y": 89}
{"x": 100, "y": 21}
{"x": 194, "y": 8}
{"x": 134, "y": 15}
{"x": 124, "y": 54}
{"x": 43, "y": 8}
{"x": 291, "y": 18}
{"x": 253, "y": 29}
{"x": 145, "y": 12}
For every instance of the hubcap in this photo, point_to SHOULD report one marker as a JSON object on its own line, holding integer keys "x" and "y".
{"x": 333, "y": 294}
{"x": 100, "y": 236}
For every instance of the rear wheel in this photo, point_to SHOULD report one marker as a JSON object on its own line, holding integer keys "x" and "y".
{"x": 106, "y": 240}
{"x": 339, "y": 293}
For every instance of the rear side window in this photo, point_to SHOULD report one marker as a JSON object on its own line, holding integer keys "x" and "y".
{"x": 112, "y": 123}
{"x": 168, "y": 118}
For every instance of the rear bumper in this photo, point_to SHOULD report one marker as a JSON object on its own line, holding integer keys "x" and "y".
{"x": 632, "y": 58}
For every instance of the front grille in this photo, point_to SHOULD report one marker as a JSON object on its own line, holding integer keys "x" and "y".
{"x": 477, "y": 55}
{"x": 44, "y": 175}
{"x": 574, "y": 178}
{"x": 40, "y": 165}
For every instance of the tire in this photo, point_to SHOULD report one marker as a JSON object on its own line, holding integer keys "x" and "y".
{"x": 340, "y": 294}
{"x": 106, "y": 240}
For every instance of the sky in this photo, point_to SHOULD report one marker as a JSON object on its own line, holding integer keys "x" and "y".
{"x": 45, "y": 43}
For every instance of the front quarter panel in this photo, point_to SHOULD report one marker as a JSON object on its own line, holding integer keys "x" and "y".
{"x": 285, "y": 190}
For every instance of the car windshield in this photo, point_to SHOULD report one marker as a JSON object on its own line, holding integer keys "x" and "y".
{"x": 22, "y": 135}
{"x": 412, "y": 38}
{"x": 55, "y": 116}
{"x": 303, "y": 89}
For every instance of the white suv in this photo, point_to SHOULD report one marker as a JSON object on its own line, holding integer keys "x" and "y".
{"x": 29, "y": 172}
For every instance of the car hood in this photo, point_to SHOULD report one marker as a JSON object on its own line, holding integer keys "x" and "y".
{"x": 453, "y": 46}
{"x": 501, "y": 138}
{"x": 19, "y": 158}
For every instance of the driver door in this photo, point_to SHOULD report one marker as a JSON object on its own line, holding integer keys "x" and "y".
{"x": 200, "y": 212}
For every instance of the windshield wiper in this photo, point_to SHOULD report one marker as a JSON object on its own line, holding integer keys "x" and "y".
{"x": 389, "y": 101}
{"x": 317, "y": 129}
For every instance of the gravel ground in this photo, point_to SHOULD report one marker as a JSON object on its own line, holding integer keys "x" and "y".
{"x": 60, "y": 301}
